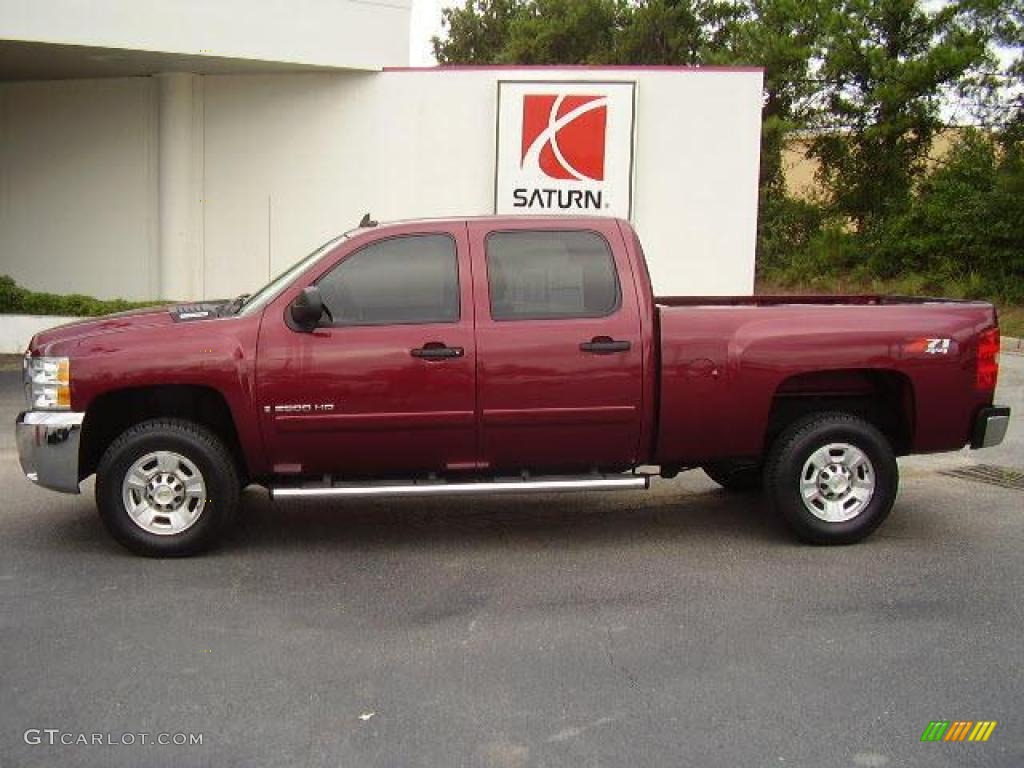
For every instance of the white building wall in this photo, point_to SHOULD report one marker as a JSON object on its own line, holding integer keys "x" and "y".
{"x": 78, "y": 186}
{"x": 291, "y": 160}
{"x": 286, "y": 161}
{"x": 695, "y": 196}
{"x": 285, "y": 166}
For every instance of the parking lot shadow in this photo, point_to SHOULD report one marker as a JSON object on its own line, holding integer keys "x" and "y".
{"x": 585, "y": 519}
{"x": 669, "y": 512}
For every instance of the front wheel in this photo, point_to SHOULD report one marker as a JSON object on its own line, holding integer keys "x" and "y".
{"x": 167, "y": 488}
{"x": 833, "y": 477}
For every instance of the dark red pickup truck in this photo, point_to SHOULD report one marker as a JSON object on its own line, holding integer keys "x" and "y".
{"x": 498, "y": 355}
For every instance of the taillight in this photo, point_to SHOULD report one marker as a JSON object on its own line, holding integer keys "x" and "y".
{"x": 988, "y": 360}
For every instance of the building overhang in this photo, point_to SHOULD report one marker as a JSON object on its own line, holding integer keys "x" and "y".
{"x": 64, "y": 39}
{"x": 21, "y": 60}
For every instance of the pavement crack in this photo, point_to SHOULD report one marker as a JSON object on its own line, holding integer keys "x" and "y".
{"x": 616, "y": 667}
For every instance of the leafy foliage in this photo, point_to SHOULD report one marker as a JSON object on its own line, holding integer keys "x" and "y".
{"x": 536, "y": 32}
{"x": 784, "y": 37}
{"x": 965, "y": 225}
{"x": 885, "y": 65}
{"x": 672, "y": 32}
{"x": 960, "y": 234}
{"x": 477, "y": 32}
{"x": 15, "y": 300}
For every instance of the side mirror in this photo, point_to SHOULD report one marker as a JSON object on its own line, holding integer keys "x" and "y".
{"x": 306, "y": 309}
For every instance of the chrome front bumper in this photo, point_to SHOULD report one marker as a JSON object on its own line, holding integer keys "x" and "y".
{"x": 990, "y": 427}
{"x": 48, "y": 448}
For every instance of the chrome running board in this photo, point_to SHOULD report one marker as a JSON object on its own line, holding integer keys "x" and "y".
{"x": 442, "y": 488}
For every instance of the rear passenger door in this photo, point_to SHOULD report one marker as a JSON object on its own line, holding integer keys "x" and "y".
{"x": 558, "y": 336}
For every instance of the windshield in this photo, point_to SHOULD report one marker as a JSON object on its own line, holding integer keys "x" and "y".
{"x": 268, "y": 292}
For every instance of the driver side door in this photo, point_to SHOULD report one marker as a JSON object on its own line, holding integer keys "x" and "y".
{"x": 388, "y": 384}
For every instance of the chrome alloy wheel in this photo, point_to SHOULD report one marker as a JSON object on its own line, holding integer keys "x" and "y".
{"x": 837, "y": 482}
{"x": 164, "y": 493}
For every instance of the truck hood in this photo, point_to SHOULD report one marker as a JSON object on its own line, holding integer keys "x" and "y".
{"x": 121, "y": 322}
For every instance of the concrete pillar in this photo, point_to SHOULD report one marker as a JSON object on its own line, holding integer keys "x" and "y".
{"x": 179, "y": 187}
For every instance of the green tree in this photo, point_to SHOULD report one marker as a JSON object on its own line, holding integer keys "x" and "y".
{"x": 583, "y": 31}
{"x": 1010, "y": 34}
{"x": 530, "y": 32}
{"x": 784, "y": 37}
{"x": 679, "y": 32}
{"x": 564, "y": 32}
{"x": 885, "y": 67}
{"x": 476, "y": 33}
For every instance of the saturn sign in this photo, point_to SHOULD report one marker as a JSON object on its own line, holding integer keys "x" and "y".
{"x": 564, "y": 147}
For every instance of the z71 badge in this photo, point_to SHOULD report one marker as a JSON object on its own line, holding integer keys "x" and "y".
{"x": 930, "y": 346}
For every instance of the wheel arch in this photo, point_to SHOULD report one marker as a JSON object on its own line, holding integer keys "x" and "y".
{"x": 882, "y": 397}
{"x": 115, "y": 411}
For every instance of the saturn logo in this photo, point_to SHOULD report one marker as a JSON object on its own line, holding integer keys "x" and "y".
{"x": 564, "y": 135}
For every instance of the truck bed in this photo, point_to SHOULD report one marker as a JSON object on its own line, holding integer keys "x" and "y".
{"x": 726, "y": 360}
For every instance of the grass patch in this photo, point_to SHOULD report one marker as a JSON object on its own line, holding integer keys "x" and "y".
{"x": 1011, "y": 321}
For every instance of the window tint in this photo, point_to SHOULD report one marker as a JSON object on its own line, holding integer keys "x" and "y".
{"x": 412, "y": 279}
{"x": 557, "y": 274}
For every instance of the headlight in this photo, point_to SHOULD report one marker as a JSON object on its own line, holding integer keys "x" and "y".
{"x": 48, "y": 383}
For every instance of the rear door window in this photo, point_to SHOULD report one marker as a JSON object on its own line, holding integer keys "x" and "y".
{"x": 550, "y": 274}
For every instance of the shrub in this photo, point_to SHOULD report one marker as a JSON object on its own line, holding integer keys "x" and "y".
{"x": 15, "y": 300}
{"x": 965, "y": 225}
{"x": 785, "y": 228}
{"x": 960, "y": 234}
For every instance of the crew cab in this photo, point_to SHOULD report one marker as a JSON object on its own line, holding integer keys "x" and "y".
{"x": 499, "y": 355}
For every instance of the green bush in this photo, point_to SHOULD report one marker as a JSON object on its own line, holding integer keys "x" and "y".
{"x": 15, "y": 300}
{"x": 785, "y": 228}
{"x": 961, "y": 233}
{"x": 965, "y": 225}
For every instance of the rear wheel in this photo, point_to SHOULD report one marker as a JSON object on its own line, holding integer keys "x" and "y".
{"x": 738, "y": 475}
{"x": 167, "y": 488}
{"x": 833, "y": 477}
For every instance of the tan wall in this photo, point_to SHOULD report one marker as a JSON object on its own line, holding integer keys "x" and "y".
{"x": 800, "y": 171}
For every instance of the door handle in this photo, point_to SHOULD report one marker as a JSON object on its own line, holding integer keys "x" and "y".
{"x": 436, "y": 350}
{"x": 604, "y": 345}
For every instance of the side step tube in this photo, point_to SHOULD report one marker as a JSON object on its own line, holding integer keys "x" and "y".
{"x": 435, "y": 488}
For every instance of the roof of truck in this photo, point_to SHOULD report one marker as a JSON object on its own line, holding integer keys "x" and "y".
{"x": 505, "y": 217}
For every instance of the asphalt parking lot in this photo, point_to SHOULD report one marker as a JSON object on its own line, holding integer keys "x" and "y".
{"x": 679, "y": 627}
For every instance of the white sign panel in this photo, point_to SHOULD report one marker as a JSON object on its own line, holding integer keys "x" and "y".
{"x": 564, "y": 147}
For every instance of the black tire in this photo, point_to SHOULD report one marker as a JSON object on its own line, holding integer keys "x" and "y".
{"x": 795, "y": 447}
{"x": 197, "y": 445}
{"x": 738, "y": 475}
